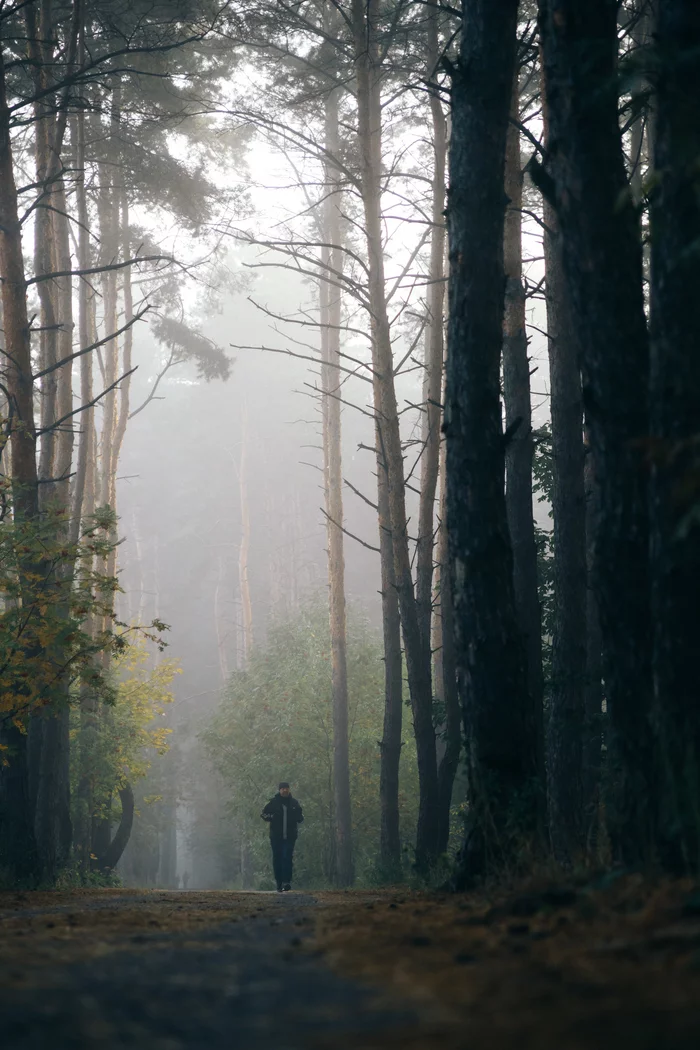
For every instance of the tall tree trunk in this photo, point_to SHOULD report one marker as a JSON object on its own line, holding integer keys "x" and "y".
{"x": 52, "y": 818}
{"x": 332, "y": 261}
{"x": 566, "y": 719}
{"x": 109, "y": 215}
{"x": 219, "y": 621}
{"x": 519, "y": 452}
{"x": 122, "y": 415}
{"x": 84, "y": 496}
{"x": 675, "y": 429}
{"x": 501, "y": 763}
{"x": 603, "y": 264}
{"x": 390, "y": 746}
{"x": 86, "y": 336}
{"x": 243, "y": 581}
{"x": 47, "y": 165}
{"x": 593, "y": 691}
{"x": 389, "y": 449}
{"x": 49, "y": 731}
{"x": 434, "y": 351}
{"x": 640, "y": 35}
{"x": 445, "y": 682}
{"x": 18, "y": 843}
{"x": 568, "y": 818}
{"x": 445, "y": 676}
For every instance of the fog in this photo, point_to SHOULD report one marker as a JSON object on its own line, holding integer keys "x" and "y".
{"x": 253, "y": 294}
{"x": 180, "y": 505}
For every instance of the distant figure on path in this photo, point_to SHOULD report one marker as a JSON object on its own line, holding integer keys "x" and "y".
{"x": 283, "y": 814}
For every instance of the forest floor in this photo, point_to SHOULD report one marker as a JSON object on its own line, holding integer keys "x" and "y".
{"x": 552, "y": 967}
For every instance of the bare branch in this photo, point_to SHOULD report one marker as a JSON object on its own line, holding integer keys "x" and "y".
{"x": 361, "y": 495}
{"x": 152, "y": 395}
{"x": 88, "y": 405}
{"x": 306, "y": 357}
{"x": 93, "y": 346}
{"x": 352, "y": 536}
{"x": 100, "y": 269}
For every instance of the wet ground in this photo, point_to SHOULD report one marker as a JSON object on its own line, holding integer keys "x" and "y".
{"x": 548, "y": 968}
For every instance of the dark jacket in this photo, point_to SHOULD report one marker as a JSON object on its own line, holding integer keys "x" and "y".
{"x": 274, "y": 815}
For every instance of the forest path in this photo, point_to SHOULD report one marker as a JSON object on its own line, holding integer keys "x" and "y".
{"x": 598, "y": 966}
{"x": 175, "y": 971}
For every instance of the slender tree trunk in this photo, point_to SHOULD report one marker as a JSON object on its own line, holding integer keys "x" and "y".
{"x": 122, "y": 415}
{"x": 445, "y": 682}
{"x": 640, "y": 34}
{"x": 219, "y": 621}
{"x": 53, "y": 825}
{"x": 603, "y": 264}
{"x": 40, "y": 48}
{"x": 445, "y": 676}
{"x": 86, "y": 336}
{"x": 18, "y": 843}
{"x": 501, "y": 761}
{"x": 332, "y": 260}
{"x": 519, "y": 452}
{"x": 593, "y": 692}
{"x": 49, "y": 730}
{"x": 675, "y": 428}
{"x": 567, "y": 816}
{"x": 390, "y": 747}
{"x": 434, "y": 351}
{"x": 109, "y": 215}
{"x": 389, "y": 448}
{"x": 243, "y": 582}
{"x": 84, "y": 496}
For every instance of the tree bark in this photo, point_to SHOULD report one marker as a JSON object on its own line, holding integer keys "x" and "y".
{"x": 389, "y": 448}
{"x": 675, "y": 429}
{"x": 603, "y": 263}
{"x": 489, "y": 656}
{"x": 47, "y": 165}
{"x": 593, "y": 692}
{"x": 86, "y": 334}
{"x": 109, "y": 214}
{"x": 108, "y": 860}
{"x": 565, "y": 732}
{"x": 434, "y": 352}
{"x": 332, "y": 260}
{"x": 519, "y": 451}
{"x": 84, "y": 496}
{"x": 445, "y": 676}
{"x": 19, "y": 846}
{"x": 640, "y": 34}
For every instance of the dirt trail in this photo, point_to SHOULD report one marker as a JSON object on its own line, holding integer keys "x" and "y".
{"x": 536, "y": 969}
{"x": 174, "y": 971}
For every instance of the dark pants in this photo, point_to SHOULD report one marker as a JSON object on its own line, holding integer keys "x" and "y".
{"x": 282, "y": 852}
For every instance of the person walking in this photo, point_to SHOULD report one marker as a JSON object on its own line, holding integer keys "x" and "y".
{"x": 284, "y": 815}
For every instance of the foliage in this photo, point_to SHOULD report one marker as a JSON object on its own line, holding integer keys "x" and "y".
{"x": 50, "y": 592}
{"x": 57, "y": 612}
{"x": 184, "y": 343}
{"x": 543, "y": 465}
{"x": 275, "y": 722}
{"x": 120, "y": 745}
